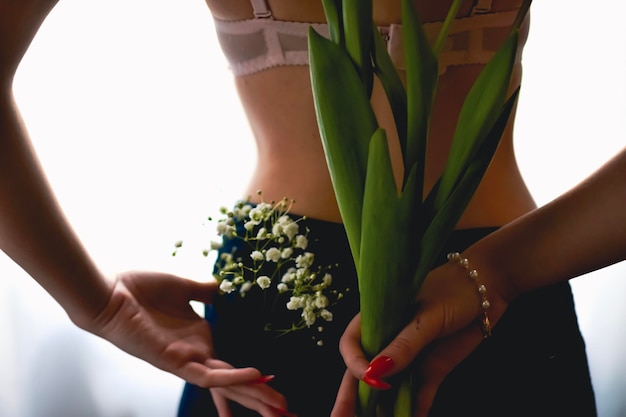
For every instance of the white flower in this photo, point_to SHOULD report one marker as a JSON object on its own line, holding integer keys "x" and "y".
{"x": 224, "y": 229}
{"x": 215, "y": 245}
{"x": 227, "y": 286}
{"x": 289, "y": 276}
{"x": 327, "y": 280}
{"x": 272, "y": 255}
{"x": 241, "y": 212}
{"x": 277, "y": 229}
{"x": 309, "y": 317}
{"x": 264, "y": 281}
{"x": 326, "y": 315}
{"x": 321, "y": 301}
{"x": 290, "y": 229}
{"x": 305, "y": 260}
{"x": 301, "y": 242}
{"x": 245, "y": 287}
{"x": 282, "y": 287}
{"x": 286, "y": 253}
{"x": 295, "y": 303}
{"x": 262, "y": 234}
{"x": 256, "y": 256}
{"x": 249, "y": 225}
{"x": 261, "y": 212}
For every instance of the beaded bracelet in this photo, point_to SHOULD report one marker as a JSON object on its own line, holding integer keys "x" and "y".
{"x": 482, "y": 290}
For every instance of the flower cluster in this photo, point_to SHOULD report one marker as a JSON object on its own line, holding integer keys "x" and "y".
{"x": 278, "y": 259}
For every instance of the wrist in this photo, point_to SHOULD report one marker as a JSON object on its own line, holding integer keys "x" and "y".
{"x": 485, "y": 256}
{"x": 85, "y": 309}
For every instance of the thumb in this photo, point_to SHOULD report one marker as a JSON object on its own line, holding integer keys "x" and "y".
{"x": 202, "y": 291}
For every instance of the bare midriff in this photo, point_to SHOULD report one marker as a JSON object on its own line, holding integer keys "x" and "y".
{"x": 291, "y": 161}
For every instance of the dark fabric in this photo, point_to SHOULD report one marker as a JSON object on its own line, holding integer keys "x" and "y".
{"x": 533, "y": 365}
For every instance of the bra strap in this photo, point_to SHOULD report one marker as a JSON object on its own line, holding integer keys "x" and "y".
{"x": 481, "y": 7}
{"x": 261, "y": 9}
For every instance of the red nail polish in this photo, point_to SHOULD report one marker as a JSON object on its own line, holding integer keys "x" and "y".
{"x": 284, "y": 413}
{"x": 376, "y": 383}
{"x": 379, "y": 366}
{"x": 264, "y": 379}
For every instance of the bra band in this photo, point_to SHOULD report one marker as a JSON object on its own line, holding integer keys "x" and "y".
{"x": 261, "y": 43}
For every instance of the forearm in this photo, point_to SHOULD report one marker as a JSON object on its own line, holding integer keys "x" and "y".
{"x": 33, "y": 229}
{"x": 581, "y": 231}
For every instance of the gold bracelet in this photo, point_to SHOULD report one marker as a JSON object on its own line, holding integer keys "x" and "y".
{"x": 482, "y": 290}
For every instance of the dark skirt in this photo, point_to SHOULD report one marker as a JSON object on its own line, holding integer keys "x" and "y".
{"x": 533, "y": 365}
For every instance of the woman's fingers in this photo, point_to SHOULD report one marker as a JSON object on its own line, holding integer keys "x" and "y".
{"x": 350, "y": 348}
{"x": 394, "y": 357}
{"x": 207, "y": 377}
{"x": 221, "y": 404}
{"x": 345, "y": 404}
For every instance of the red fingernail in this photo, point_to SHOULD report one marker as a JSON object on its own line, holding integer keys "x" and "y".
{"x": 379, "y": 366}
{"x": 264, "y": 379}
{"x": 284, "y": 412}
{"x": 376, "y": 383}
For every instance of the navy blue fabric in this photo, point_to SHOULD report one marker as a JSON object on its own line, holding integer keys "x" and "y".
{"x": 533, "y": 365}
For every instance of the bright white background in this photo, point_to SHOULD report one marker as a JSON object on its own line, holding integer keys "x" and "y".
{"x": 132, "y": 111}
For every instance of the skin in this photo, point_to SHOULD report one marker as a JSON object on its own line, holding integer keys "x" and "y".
{"x": 148, "y": 315}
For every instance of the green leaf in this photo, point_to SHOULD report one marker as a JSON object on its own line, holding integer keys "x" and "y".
{"x": 480, "y": 110}
{"x": 445, "y": 27}
{"x": 384, "y": 274}
{"x": 346, "y": 121}
{"x": 446, "y": 218}
{"x": 422, "y": 74}
{"x": 357, "y": 21}
{"x": 392, "y": 84}
{"x": 332, "y": 10}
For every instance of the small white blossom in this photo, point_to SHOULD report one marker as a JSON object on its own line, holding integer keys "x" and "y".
{"x": 262, "y": 234}
{"x": 256, "y": 255}
{"x": 261, "y": 212}
{"x": 282, "y": 287}
{"x": 321, "y": 301}
{"x": 301, "y": 242}
{"x": 245, "y": 287}
{"x": 294, "y": 303}
{"x": 309, "y": 317}
{"x": 327, "y": 280}
{"x": 291, "y": 229}
{"x": 326, "y": 315}
{"x": 249, "y": 225}
{"x": 286, "y": 253}
{"x": 277, "y": 229}
{"x": 227, "y": 286}
{"x": 289, "y": 276}
{"x": 272, "y": 255}
{"x": 224, "y": 229}
{"x": 215, "y": 245}
{"x": 264, "y": 281}
{"x": 305, "y": 260}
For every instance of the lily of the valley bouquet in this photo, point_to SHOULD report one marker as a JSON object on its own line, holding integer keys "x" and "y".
{"x": 395, "y": 234}
{"x": 265, "y": 255}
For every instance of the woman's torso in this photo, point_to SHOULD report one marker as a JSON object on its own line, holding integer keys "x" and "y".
{"x": 291, "y": 163}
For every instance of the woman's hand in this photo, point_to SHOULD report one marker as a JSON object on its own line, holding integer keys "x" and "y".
{"x": 19, "y": 22}
{"x": 149, "y": 316}
{"x": 444, "y": 331}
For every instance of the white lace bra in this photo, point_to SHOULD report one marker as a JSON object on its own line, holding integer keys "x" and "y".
{"x": 260, "y": 43}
